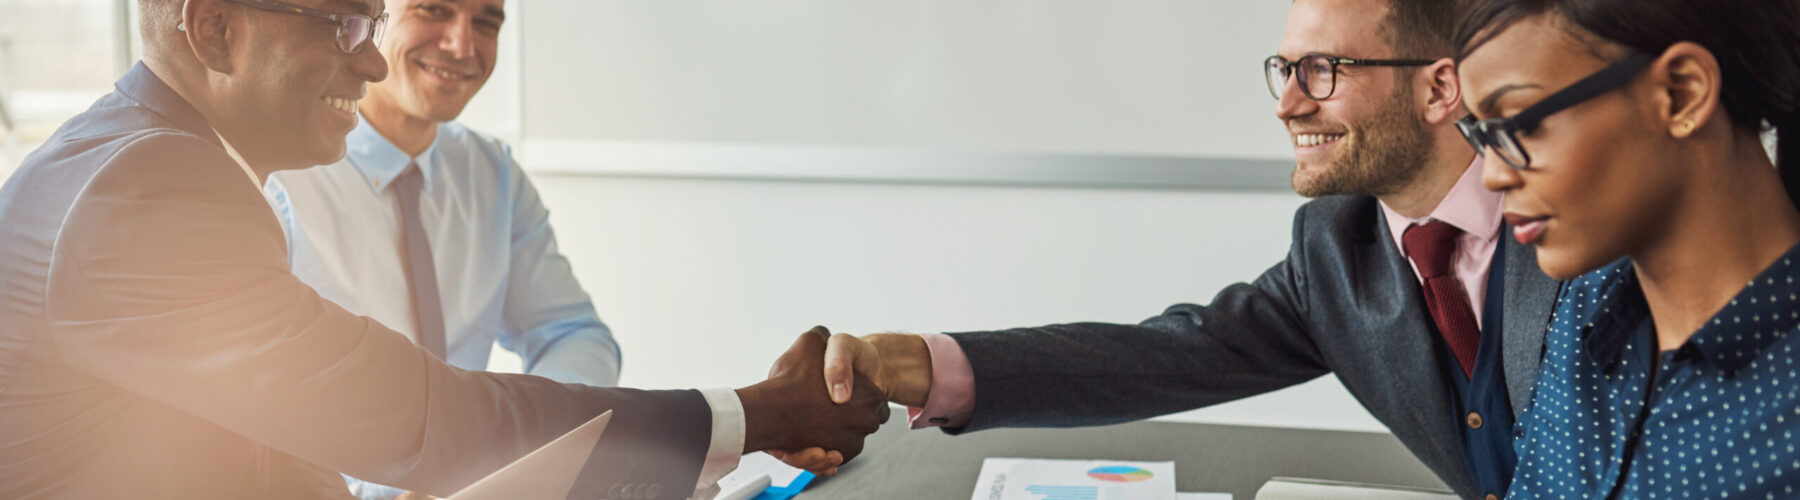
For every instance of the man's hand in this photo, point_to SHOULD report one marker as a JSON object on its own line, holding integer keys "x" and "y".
{"x": 901, "y": 369}
{"x": 899, "y": 363}
{"x": 792, "y": 410}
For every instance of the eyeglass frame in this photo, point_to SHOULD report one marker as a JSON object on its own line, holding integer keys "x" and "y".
{"x": 1484, "y": 134}
{"x": 377, "y": 24}
{"x": 1287, "y": 71}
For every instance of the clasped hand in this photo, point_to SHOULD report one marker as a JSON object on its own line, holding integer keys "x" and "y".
{"x": 794, "y": 410}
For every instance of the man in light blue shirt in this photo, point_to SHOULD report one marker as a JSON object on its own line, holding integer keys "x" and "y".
{"x": 499, "y": 273}
{"x": 431, "y": 227}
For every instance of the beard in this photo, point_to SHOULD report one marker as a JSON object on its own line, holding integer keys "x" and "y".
{"x": 1390, "y": 148}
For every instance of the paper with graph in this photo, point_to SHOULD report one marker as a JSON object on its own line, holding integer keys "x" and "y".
{"x": 1041, "y": 479}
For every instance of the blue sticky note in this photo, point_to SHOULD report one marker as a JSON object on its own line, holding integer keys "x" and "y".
{"x": 785, "y": 492}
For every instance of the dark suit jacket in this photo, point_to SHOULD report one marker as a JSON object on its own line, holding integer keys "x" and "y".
{"x": 1343, "y": 301}
{"x": 154, "y": 345}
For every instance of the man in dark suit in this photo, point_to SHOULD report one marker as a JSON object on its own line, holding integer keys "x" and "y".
{"x": 154, "y": 345}
{"x": 1402, "y": 279}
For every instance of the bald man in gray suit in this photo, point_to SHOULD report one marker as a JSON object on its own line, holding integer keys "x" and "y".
{"x": 153, "y": 344}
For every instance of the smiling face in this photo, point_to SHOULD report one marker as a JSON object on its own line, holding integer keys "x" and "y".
{"x": 289, "y": 101}
{"x": 1601, "y": 179}
{"x": 1369, "y": 136}
{"x": 441, "y": 52}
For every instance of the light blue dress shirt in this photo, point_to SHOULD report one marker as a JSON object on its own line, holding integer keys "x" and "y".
{"x": 499, "y": 273}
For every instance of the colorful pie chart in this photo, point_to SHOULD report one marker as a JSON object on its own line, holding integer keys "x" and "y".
{"x": 1120, "y": 474}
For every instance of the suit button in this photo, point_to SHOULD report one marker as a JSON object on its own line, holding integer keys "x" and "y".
{"x": 1474, "y": 420}
{"x": 1491, "y": 496}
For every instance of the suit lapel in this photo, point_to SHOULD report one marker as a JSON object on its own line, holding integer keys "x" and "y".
{"x": 1416, "y": 370}
{"x": 1529, "y": 297}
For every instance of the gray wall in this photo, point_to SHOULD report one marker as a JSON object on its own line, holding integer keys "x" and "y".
{"x": 1128, "y": 77}
{"x": 617, "y": 105}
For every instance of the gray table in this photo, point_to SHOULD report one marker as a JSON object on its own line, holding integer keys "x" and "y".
{"x": 901, "y": 463}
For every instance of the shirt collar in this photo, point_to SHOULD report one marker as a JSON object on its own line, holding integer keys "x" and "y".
{"x": 233, "y": 153}
{"x": 1468, "y": 206}
{"x": 380, "y": 161}
{"x": 1756, "y": 317}
{"x": 1621, "y": 313}
{"x": 1759, "y": 315}
{"x": 141, "y": 85}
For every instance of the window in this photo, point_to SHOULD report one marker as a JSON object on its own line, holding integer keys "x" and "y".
{"x": 56, "y": 58}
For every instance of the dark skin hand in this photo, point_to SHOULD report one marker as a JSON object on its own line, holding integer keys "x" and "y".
{"x": 792, "y": 410}
{"x": 899, "y": 363}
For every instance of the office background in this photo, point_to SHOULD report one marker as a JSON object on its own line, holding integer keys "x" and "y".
{"x": 724, "y": 175}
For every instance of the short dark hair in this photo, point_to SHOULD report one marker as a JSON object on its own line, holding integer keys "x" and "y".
{"x": 1420, "y": 29}
{"x": 1756, "y": 42}
{"x": 155, "y": 16}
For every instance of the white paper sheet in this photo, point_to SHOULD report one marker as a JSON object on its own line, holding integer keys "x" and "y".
{"x": 1039, "y": 479}
{"x": 1288, "y": 488}
{"x": 756, "y": 464}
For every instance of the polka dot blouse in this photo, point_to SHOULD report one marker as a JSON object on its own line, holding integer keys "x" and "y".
{"x": 1610, "y": 417}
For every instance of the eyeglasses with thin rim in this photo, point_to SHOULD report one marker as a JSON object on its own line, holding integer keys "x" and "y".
{"x": 1501, "y": 134}
{"x": 1317, "y": 73}
{"x": 354, "y": 31}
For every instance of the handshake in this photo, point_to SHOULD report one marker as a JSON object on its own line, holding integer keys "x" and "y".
{"x": 828, "y": 392}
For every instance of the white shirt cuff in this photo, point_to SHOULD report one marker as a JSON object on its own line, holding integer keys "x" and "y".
{"x": 727, "y": 436}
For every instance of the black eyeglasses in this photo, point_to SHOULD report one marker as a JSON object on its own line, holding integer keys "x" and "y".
{"x": 1501, "y": 133}
{"x": 354, "y": 30}
{"x": 1318, "y": 72}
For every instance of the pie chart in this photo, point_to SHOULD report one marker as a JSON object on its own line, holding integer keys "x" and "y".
{"x": 1120, "y": 474}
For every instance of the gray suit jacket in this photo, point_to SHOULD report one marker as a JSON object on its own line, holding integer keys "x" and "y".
{"x": 153, "y": 345}
{"x": 1344, "y": 301}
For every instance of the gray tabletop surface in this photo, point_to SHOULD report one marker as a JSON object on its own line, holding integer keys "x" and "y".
{"x": 928, "y": 464}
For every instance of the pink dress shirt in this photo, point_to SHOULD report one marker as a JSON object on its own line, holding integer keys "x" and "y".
{"x": 1476, "y": 211}
{"x": 1468, "y": 206}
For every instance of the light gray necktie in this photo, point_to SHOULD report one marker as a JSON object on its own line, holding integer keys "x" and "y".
{"x": 421, "y": 271}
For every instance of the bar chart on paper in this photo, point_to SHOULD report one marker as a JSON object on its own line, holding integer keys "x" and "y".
{"x": 1064, "y": 492}
{"x": 1039, "y": 479}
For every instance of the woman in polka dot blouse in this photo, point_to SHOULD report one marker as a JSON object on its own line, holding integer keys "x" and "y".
{"x": 1627, "y": 138}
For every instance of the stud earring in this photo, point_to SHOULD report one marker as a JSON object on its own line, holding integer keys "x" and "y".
{"x": 1687, "y": 126}
{"x": 181, "y": 26}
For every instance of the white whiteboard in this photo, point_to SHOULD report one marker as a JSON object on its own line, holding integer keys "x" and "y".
{"x": 1121, "y": 92}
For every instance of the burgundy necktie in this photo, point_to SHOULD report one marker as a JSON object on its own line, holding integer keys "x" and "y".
{"x": 1432, "y": 247}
